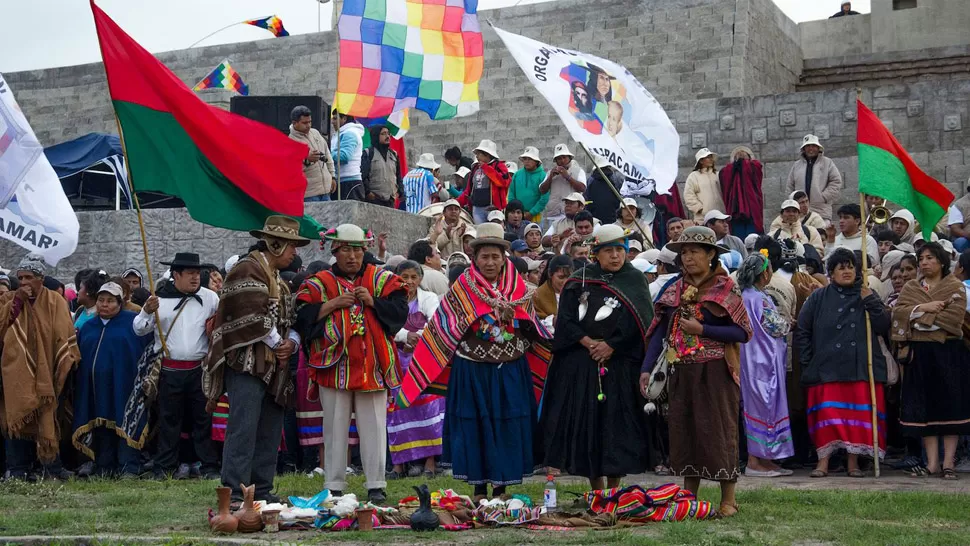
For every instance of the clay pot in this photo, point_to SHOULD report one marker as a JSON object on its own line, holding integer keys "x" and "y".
{"x": 249, "y": 519}
{"x": 224, "y": 521}
{"x": 365, "y": 521}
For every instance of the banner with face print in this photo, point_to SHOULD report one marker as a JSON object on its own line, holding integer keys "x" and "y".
{"x": 604, "y": 107}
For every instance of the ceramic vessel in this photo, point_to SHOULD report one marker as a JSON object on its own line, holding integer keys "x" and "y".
{"x": 249, "y": 519}
{"x": 271, "y": 521}
{"x": 365, "y": 519}
{"x": 224, "y": 521}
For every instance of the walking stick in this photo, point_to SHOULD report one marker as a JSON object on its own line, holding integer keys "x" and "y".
{"x": 647, "y": 239}
{"x": 872, "y": 380}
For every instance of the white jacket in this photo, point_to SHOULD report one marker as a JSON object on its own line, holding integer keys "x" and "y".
{"x": 351, "y": 146}
{"x": 427, "y": 305}
{"x": 702, "y": 194}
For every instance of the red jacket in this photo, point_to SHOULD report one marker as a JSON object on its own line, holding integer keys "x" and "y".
{"x": 499, "y": 180}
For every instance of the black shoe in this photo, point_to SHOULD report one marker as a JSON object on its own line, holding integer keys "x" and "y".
{"x": 157, "y": 475}
{"x": 184, "y": 472}
{"x": 270, "y": 498}
{"x": 11, "y": 476}
{"x": 211, "y": 475}
{"x": 195, "y": 471}
{"x": 61, "y": 475}
{"x": 376, "y": 496}
{"x": 85, "y": 470}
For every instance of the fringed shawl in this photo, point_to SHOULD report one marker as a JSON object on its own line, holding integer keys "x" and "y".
{"x": 39, "y": 352}
{"x": 721, "y": 297}
{"x": 253, "y": 302}
{"x": 461, "y": 307}
{"x": 950, "y": 319}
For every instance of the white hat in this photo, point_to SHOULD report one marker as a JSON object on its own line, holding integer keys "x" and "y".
{"x": 561, "y": 150}
{"x": 643, "y": 266}
{"x": 948, "y": 247}
{"x": 634, "y": 244}
{"x": 533, "y": 264}
{"x": 750, "y": 241}
{"x": 650, "y": 255}
{"x": 630, "y": 202}
{"x": 531, "y": 227}
{"x": 919, "y": 237}
{"x": 462, "y": 172}
{"x": 512, "y": 166}
{"x": 602, "y": 162}
{"x": 490, "y": 234}
{"x": 667, "y": 256}
{"x": 789, "y": 204}
{"x": 905, "y": 215}
{"x": 531, "y": 152}
{"x": 231, "y": 262}
{"x": 715, "y": 215}
{"x": 470, "y": 232}
{"x": 488, "y": 147}
{"x": 811, "y": 139}
{"x": 426, "y": 161}
{"x": 608, "y": 233}
{"x": 451, "y": 203}
{"x": 458, "y": 258}
{"x": 112, "y": 288}
{"x": 701, "y": 154}
{"x": 496, "y": 215}
{"x": 575, "y": 196}
{"x": 350, "y": 235}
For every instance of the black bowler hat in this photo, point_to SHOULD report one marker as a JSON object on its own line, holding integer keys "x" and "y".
{"x": 187, "y": 260}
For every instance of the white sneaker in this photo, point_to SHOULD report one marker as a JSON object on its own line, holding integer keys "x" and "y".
{"x": 315, "y": 472}
{"x": 763, "y": 473}
{"x": 963, "y": 467}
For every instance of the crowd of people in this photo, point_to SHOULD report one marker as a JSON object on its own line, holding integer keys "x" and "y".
{"x": 541, "y": 326}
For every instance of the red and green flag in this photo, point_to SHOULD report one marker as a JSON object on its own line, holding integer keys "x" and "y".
{"x": 231, "y": 172}
{"x": 886, "y": 170}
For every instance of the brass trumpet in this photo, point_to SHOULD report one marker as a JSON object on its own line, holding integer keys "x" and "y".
{"x": 879, "y": 214}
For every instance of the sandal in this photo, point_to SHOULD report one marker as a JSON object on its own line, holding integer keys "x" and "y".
{"x": 856, "y": 473}
{"x": 918, "y": 471}
{"x": 949, "y": 474}
{"x": 818, "y": 474}
{"x": 727, "y": 510}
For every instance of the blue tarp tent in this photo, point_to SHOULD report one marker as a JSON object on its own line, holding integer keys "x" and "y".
{"x": 93, "y": 174}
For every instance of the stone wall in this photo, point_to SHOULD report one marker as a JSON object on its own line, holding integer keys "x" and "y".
{"x": 773, "y": 57}
{"x": 111, "y": 239}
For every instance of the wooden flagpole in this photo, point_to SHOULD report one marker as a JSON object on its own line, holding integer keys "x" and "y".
{"x": 865, "y": 284}
{"x": 141, "y": 228}
{"x": 647, "y": 239}
{"x": 336, "y": 30}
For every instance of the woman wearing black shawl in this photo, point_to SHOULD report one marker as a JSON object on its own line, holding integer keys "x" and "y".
{"x": 591, "y": 415}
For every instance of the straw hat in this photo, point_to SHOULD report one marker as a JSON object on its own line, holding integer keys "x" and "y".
{"x": 697, "y": 235}
{"x": 489, "y": 234}
{"x": 531, "y": 152}
{"x": 426, "y": 161}
{"x": 811, "y": 139}
{"x": 488, "y": 147}
{"x": 281, "y": 227}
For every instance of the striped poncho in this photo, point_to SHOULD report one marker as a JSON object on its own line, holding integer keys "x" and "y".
{"x": 460, "y": 308}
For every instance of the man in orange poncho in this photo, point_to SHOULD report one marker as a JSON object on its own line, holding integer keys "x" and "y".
{"x": 347, "y": 318}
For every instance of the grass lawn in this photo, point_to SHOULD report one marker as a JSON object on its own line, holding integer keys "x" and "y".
{"x": 176, "y": 511}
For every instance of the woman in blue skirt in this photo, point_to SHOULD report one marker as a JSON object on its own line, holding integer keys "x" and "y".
{"x": 488, "y": 350}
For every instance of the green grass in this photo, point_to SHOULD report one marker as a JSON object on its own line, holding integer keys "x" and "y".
{"x": 176, "y": 511}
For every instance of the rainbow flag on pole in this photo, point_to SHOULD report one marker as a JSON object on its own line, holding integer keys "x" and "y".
{"x": 223, "y": 76}
{"x": 399, "y": 54}
{"x": 272, "y": 23}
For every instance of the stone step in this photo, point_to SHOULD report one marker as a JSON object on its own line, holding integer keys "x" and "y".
{"x": 907, "y": 70}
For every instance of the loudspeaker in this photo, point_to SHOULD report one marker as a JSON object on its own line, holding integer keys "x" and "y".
{"x": 275, "y": 110}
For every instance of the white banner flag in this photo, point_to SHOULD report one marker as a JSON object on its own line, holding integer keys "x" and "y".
{"x": 604, "y": 107}
{"x": 39, "y": 217}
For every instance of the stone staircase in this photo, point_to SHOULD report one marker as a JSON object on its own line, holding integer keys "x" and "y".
{"x": 949, "y": 63}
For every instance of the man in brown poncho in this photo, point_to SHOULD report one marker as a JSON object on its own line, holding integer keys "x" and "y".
{"x": 248, "y": 357}
{"x": 39, "y": 351}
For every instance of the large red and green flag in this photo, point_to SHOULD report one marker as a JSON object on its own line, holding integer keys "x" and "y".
{"x": 886, "y": 170}
{"x": 231, "y": 172}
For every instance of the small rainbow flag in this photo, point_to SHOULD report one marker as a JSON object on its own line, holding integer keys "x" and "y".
{"x": 272, "y": 23}
{"x": 223, "y": 76}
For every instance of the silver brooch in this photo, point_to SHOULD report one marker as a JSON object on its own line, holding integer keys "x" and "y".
{"x": 609, "y": 304}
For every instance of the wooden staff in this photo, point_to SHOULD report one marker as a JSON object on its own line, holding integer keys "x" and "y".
{"x": 141, "y": 228}
{"x": 865, "y": 284}
{"x": 647, "y": 239}
{"x": 336, "y": 164}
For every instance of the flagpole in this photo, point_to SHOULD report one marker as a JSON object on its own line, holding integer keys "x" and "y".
{"x": 141, "y": 228}
{"x": 336, "y": 164}
{"x": 207, "y": 36}
{"x": 647, "y": 239}
{"x": 865, "y": 284}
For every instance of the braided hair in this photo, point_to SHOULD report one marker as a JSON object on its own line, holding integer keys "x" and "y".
{"x": 751, "y": 269}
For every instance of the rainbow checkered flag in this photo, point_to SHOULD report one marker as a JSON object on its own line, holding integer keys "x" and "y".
{"x": 272, "y": 23}
{"x": 400, "y": 54}
{"x": 223, "y": 76}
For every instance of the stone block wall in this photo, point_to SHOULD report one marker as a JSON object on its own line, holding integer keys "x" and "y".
{"x": 772, "y": 52}
{"x": 111, "y": 240}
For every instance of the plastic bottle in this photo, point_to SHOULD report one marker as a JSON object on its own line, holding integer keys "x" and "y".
{"x": 550, "y": 494}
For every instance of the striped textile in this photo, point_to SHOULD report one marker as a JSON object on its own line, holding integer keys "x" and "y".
{"x": 636, "y": 504}
{"x": 459, "y": 309}
{"x": 840, "y": 417}
{"x": 220, "y": 418}
{"x": 414, "y": 433}
{"x": 341, "y": 359}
